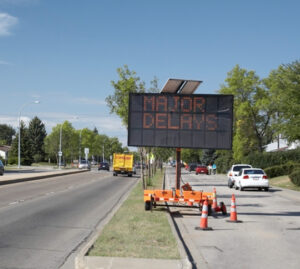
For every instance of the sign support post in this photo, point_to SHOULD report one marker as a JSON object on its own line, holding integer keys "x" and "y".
{"x": 178, "y": 168}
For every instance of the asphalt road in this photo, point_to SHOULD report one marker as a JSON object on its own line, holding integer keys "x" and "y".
{"x": 43, "y": 222}
{"x": 268, "y": 237}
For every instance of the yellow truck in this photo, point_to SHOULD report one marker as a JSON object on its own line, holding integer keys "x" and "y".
{"x": 123, "y": 164}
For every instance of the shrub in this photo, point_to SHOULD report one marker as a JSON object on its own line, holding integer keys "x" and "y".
{"x": 269, "y": 159}
{"x": 281, "y": 170}
{"x": 295, "y": 176}
{"x": 12, "y": 160}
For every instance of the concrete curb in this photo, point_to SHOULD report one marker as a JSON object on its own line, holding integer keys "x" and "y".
{"x": 37, "y": 177}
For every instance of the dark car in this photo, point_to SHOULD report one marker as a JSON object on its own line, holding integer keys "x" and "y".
{"x": 192, "y": 167}
{"x": 103, "y": 166}
{"x": 1, "y": 168}
{"x": 201, "y": 169}
{"x": 139, "y": 166}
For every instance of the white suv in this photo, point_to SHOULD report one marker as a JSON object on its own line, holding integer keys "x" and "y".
{"x": 234, "y": 171}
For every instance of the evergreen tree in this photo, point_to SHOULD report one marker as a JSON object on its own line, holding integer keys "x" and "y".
{"x": 37, "y": 134}
{"x": 6, "y": 133}
{"x": 25, "y": 147}
{"x": 208, "y": 156}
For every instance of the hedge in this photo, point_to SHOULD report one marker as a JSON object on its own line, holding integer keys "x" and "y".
{"x": 295, "y": 176}
{"x": 269, "y": 159}
{"x": 281, "y": 170}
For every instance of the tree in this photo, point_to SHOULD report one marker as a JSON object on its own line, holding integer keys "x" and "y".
{"x": 88, "y": 141}
{"x": 70, "y": 142}
{"x": 154, "y": 86}
{"x": 25, "y": 147}
{"x": 95, "y": 131}
{"x": 128, "y": 83}
{"x": 36, "y": 135}
{"x": 284, "y": 86}
{"x": 113, "y": 145}
{"x": 208, "y": 156}
{"x": 191, "y": 155}
{"x": 6, "y": 134}
{"x": 252, "y": 112}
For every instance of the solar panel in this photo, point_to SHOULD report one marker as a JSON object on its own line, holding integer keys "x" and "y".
{"x": 182, "y": 86}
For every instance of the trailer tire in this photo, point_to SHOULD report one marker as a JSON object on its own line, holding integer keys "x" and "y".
{"x": 223, "y": 208}
{"x": 147, "y": 205}
{"x": 209, "y": 210}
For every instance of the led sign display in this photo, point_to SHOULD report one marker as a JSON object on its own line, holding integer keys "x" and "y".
{"x": 181, "y": 121}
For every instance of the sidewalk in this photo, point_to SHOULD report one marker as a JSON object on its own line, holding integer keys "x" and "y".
{"x": 34, "y": 173}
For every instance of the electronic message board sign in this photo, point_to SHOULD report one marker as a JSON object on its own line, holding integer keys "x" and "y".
{"x": 180, "y": 121}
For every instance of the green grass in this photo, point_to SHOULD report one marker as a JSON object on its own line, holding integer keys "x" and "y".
{"x": 284, "y": 182}
{"x": 134, "y": 232}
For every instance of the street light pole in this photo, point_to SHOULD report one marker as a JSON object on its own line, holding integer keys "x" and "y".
{"x": 19, "y": 140}
{"x": 80, "y": 146}
{"x": 60, "y": 153}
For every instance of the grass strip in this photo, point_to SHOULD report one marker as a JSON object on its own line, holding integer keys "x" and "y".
{"x": 284, "y": 182}
{"x": 134, "y": 232}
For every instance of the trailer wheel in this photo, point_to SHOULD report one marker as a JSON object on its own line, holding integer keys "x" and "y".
{"x": 147, "y": 205}
{"x": 223, "y": 208}
{"x": 130, "y": 175}
{"x": 209, "y": 210}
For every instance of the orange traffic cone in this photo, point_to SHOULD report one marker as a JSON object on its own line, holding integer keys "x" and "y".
{"x": 233, "y": 213}
{"x": 203, "y": 222}
{"x": 215, "y": 206}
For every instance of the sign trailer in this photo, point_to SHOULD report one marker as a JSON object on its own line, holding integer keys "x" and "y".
{"x": 177, "y": 118}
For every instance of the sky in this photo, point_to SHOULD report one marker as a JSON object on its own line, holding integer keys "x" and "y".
{"x": 65, "y": 53}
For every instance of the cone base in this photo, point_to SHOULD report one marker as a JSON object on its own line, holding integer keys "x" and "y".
{"x": 204, "y": 229}
{"x": 235, "y": 221}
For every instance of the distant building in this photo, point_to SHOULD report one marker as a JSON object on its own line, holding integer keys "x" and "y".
{"x": 281, "y": 145}
{"x": 4, "y": 152}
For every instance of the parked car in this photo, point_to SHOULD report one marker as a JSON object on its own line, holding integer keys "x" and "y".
{"x": 251, "y": 178}
{"x": 201, "y": 169}
{"x": 139, "y": 166}
{"x": 234, "y": 171}
{"x": 83, "y": 164}
{"x": 1, "y": 168}
{"x": 103, "y": 166}
{"x": 192, "y": 167}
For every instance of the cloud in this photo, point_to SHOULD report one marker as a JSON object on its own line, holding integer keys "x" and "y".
{"x": 88, "y": 101}
{"x": 5, "y": 63}
{"x": 6, "y": 23}
{"x": 14, "y": 121}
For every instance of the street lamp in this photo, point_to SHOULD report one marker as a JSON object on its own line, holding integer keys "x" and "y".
{"x": 19, "y": 140}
